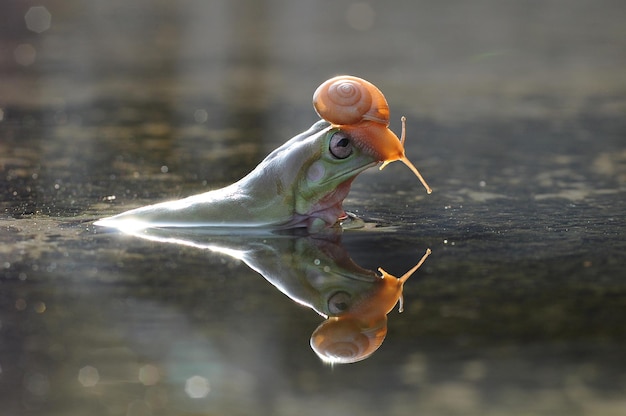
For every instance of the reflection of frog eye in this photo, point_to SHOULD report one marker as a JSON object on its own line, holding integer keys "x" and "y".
{"x": 339, "y": 302}
{"x": 340, "y": 145}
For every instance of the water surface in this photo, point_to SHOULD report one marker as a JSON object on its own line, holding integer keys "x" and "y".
{"x": 515, "y": 117}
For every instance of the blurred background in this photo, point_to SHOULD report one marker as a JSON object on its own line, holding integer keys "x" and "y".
{"x": 445, "y": 60}
{"x": 515, "y": 117}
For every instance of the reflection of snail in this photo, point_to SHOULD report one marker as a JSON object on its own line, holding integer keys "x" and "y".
{"x": 361, "y": 110}
{"x": 347, "y": 340}
{"x": 355, "y": 333}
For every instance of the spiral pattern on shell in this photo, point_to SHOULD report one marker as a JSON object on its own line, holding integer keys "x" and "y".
{"x": 345, "y": 341}
{"x": 346, "y": 100}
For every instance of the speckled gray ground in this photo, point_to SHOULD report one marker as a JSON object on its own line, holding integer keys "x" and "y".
{"x": 515, "y": 117}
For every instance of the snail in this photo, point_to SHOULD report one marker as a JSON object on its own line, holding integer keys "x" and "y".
{"x": 301, "y": 184}
{"x": 360, "y": 107}
{"x": 360, "y": 328}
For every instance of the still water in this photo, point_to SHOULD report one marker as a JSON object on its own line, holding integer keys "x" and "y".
{"x": 515, "y": 117}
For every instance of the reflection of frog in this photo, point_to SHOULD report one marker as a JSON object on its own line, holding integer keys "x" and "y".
{"x": 302, "y": 183}
{"x": 316, "y": 272}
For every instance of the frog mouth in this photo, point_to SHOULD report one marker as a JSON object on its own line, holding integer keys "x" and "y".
{"x": 329, "y": 208}
{"x": 348, "y": 175}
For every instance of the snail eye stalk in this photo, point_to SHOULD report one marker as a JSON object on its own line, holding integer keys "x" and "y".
{"x": 406, "y": 160}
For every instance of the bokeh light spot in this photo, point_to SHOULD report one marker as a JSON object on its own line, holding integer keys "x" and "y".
{"x": 149, "y": 375}
{"x": 37, "y": 384}
{"x": 39, "y": 307}
{"x": 197, "y": 387}
{"x": 38, "y": 19}
{"x": 20, "y": 304}
{"x": 201, "y": 116}
{"x": 88, "y": 376}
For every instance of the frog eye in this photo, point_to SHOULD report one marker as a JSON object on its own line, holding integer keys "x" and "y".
{"x": 340, "y": 145}
{"x": 339, "y": 302}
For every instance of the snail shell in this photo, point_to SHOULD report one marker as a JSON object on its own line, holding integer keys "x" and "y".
{"x": 346, "y": 100}
{"x": 346, "y": 340}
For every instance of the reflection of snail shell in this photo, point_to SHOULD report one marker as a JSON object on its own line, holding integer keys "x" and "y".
{"x": 346, "y": 340}
{"x": 349, "y": 100}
